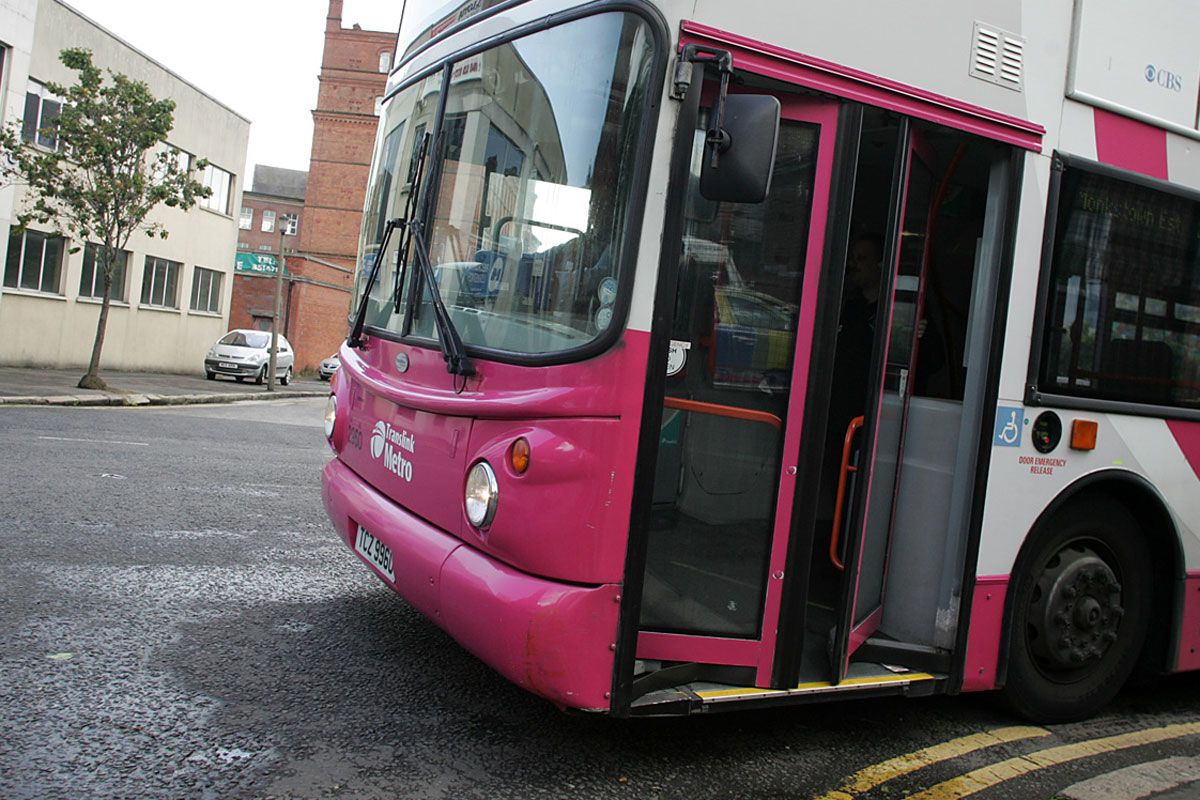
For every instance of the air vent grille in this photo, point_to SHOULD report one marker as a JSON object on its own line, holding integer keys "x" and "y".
{"x": 998, "y": 56}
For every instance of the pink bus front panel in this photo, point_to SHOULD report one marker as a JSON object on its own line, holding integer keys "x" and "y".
{"x": 561, "y": 518}
{"x": 550, "y": 638}
{"x": 535, "y": 594}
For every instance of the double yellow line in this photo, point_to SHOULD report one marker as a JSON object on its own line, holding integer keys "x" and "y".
{"x": 977, "y": 780}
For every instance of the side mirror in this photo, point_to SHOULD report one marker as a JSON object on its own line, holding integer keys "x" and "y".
{"x": 740, "y": 154}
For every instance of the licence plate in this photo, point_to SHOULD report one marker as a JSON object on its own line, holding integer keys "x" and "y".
{"x": 374, "y": 551}
{"x": 226, "y": 365}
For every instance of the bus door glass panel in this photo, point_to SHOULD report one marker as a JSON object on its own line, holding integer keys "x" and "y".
{"x": 875, "y": 495}
{"x": 728, "y": 385}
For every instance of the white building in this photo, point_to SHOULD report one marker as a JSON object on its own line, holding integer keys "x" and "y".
{"x": 171, "y": 302}
{"x": 16, "y": 42}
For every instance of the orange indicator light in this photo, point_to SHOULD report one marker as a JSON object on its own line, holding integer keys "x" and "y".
{"x": 1083, "y": 434}
{"x": 518, "y": 456}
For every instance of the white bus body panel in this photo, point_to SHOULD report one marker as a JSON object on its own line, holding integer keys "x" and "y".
{"x": 928, "y": 45}
{"x": 1018, "y": 493}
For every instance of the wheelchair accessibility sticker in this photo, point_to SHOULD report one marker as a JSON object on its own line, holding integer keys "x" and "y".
{"x": 1009, "y": 422}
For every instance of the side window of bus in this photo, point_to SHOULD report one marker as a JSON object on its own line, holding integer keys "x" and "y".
{"x": 1124, "y": 293}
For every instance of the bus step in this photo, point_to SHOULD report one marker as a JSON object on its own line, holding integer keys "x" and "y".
{"x": 865, "y": 679}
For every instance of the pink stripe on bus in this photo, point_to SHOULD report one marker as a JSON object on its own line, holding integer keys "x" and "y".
{"x": 825, "y": 115}
{"x": 1187, "y": 436}
{"x": 1189, "y": 628}
{"x": 983, "y": 638}
{"x": 854, "y": 84}
{"x": 1128, "y": 144}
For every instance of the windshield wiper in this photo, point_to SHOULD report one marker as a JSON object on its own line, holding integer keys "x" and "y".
{"x": 356, "y": 338}
{"x": 410, "y": 211}
{"x": 453, "y": 351}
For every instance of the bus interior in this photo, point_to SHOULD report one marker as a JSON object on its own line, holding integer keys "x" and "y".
{"x": 879, "y": 525}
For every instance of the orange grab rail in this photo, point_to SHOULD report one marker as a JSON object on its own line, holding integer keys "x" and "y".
{"x": 723, "y": 411}
{"x": 835, "y": 538}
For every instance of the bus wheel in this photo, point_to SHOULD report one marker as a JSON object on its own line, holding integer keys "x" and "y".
{"x": 1081, "y": 608}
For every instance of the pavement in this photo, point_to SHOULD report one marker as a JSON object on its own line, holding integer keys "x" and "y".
{"x": 57, "y": 387}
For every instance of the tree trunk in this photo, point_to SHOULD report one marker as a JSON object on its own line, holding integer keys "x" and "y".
{"x": 92, "y": 379}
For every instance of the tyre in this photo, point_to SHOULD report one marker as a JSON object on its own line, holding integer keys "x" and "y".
{"x": 1081, "y": 607}
{"x": 212, "y": 376}
{"x": 287, "y": 377}
{"x": 261, "y": 376}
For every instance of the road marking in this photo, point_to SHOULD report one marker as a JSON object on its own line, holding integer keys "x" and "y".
{"x": 987, "y": 777}
{"x": 1137, "y": 782}
{"x": 93, "y": 441}
{"x": 866, "y": 779}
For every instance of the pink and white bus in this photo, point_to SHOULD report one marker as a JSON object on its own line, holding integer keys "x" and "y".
{"x": 711, "y": 355}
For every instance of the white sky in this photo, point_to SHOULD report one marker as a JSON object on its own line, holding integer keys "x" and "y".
{"x": 259, "y": 57}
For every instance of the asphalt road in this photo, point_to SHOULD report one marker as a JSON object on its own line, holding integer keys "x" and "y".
{"x": 177, "y": 619}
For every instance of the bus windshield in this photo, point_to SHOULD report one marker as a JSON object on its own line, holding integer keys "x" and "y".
{"x": 531, "y": 186}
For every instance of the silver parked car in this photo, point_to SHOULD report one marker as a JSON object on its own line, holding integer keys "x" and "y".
{"x": 246, "y": 354}
{"x": 328, "y": 367}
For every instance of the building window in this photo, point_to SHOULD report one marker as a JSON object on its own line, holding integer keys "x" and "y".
{"x": 1123, "y": 318}
{"x": 34, "y": 261}
{"x": 455, "y": 126}
{"x": 266, "y": 248}
{"x": 246, "y": 220}
{"x": 91, "y": 281}
{"x": 385, "y": 61}
{"x": 160, "y": 282}
{"x": 41, "y": 110}
{"x": 3, "y": 63}
{"x": 183, "y": 162}
{"x": 268, "y": 223}
{"x": 291, "y": 224}
{"x": 206, "y": 290}
{"x": 220, "y": 182}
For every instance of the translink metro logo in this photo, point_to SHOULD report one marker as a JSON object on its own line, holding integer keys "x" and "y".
{"x": 391, "y": 445}
{"x": 378, "y": 438}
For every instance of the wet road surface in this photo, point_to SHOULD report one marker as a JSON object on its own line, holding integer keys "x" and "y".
{"x": 177, "y": 619}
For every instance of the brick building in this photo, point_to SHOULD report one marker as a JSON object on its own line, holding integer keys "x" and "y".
{"x": 353, "y": 75}
{"x": 272, "y": 210}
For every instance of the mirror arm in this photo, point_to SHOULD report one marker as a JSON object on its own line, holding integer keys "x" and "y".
{"x": 716, "y": 138}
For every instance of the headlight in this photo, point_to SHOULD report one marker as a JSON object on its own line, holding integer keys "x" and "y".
{"x": 330, "y": 416}
{"x": 481, "y": 495}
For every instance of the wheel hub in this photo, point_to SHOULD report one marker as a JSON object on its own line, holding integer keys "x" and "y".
{"x": 1078, "y": 610}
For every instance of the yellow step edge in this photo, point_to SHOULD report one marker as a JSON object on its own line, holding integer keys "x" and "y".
{"x": 907, "y": 677}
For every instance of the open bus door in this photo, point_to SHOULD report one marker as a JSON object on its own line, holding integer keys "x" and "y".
{"x": 731, "y": 418}
{"x": 874, "y": 442}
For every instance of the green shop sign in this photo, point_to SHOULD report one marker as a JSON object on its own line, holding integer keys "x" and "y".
{"x": 257, "y": 264}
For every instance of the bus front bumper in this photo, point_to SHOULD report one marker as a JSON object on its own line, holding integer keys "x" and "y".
{"x": 553, "y": 639}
